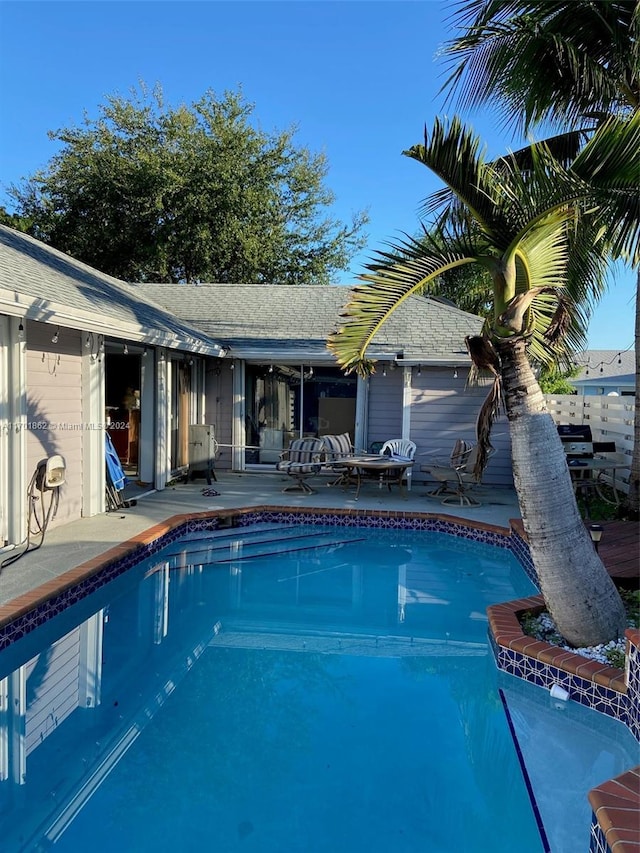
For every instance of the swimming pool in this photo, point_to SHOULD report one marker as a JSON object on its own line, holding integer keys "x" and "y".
{"x": 292, "y": 687}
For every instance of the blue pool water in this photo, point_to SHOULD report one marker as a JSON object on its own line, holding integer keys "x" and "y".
{"x": 293, "y": 688}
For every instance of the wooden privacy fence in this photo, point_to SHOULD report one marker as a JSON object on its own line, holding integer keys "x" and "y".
{"x": 610, "y": 419}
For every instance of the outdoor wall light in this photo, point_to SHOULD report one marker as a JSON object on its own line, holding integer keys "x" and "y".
{"x": 125, "y": 349}
{"x": 270, "y": 368}
{"x": 56, "y": 336}
{"x": 384, "y": 369}
{"x": 455, "y": 372}
{"x": 21, "y": 331}
{"x": 419, "y": 370}
{"x": 87, "y": 342}
{"x": 144, "y": 352}
{"x": 595, "y": 531}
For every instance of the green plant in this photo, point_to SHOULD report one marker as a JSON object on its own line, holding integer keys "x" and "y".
{"x": 631, "y": 601}
{"x": 615, "y": 657}
{"x": 528, "y": 622}
{"x": 597, "y": 508}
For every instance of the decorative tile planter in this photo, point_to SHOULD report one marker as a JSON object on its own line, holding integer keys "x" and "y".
{"x": 615, "y": 826}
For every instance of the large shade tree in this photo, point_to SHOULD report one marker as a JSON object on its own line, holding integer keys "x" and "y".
{"x": 518, "y": 226}
{"x": 195, "y": 192}
{"x": 558, "y": 63}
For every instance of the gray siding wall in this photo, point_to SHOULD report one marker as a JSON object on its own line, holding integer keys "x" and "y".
{"x": 219, "y": 407}
{"x": 54, "y": 396}
{"x": 385, "y": 406}
{"x": 442, "y": 410}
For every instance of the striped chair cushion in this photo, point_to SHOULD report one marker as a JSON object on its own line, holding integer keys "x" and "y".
{"x": 302, "y": 457}
{"x": 337, "y": 446}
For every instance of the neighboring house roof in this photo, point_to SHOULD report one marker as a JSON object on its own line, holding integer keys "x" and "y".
{"x": 605, "y": 367}
{"x": 293, "y": 322}
{"x": 38, "y": 282}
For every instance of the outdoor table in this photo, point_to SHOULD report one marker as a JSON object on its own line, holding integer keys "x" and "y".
{"x": 382, "y": 465}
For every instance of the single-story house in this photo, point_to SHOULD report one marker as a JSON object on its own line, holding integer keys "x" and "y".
{"x": 81, "y": 352}
{"x": 281, "y": 381}
{"x": 606, "y": 372}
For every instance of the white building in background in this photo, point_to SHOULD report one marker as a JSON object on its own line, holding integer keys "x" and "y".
{"x": 606, "y": 373}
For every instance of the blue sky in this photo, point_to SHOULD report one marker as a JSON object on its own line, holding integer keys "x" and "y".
{"x": 358, "y": 79}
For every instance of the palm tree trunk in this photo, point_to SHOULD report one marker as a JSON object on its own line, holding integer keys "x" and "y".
{"x": 576, "y": 587}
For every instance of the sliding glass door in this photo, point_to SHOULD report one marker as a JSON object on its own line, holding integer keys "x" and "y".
{"x": 284, "y": 402}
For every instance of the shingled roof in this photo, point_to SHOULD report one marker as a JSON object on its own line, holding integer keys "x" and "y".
{"x": 292, "y": 322}
{"x": 40, "y": 283}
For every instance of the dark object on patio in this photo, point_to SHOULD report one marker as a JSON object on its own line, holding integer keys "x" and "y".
{"x": 303, "y": 459}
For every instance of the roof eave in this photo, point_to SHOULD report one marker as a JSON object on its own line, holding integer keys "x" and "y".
{"x": 15, "y": 304}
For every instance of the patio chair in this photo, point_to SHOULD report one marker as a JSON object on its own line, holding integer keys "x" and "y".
{"x": 457, "y": 476}
{"x": 402, "y": 450}
{"x": 337, "y": 449}
{"x": 303, "y": 459}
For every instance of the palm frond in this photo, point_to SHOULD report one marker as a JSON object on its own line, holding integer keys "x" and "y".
{"x": 564, "y": 148}
{"x": 501, "y": 199}
{"x": 549, "y": 321}
{"x": 589, "y": 53}
{"x": 397, "y": 274}
{"x": 543, "y": 251}
{"x": 454, "y": 153}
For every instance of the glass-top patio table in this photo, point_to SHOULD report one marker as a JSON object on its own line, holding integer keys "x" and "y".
{"x": 391, "y": 470}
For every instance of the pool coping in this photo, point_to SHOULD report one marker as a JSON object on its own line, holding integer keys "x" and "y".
{"x": 615, "y": 804}
{"x": 615, "y": 820}
{"x": 120, "y": 557}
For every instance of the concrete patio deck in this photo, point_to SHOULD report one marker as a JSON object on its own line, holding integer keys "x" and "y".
{"x": 68, "y": 545}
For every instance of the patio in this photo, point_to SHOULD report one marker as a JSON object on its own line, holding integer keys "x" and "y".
{"x": 70, "y": 544}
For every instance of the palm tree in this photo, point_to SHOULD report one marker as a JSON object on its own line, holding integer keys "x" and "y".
{"x": 589, "y": 51}
{"x": 518, "y": 226}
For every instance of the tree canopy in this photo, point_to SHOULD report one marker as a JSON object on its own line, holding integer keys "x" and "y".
{"x": 588, "y": 53}
{"x": 151, "y": 192}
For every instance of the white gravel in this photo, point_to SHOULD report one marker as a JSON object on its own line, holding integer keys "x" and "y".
{"x": 544, "y": 628}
